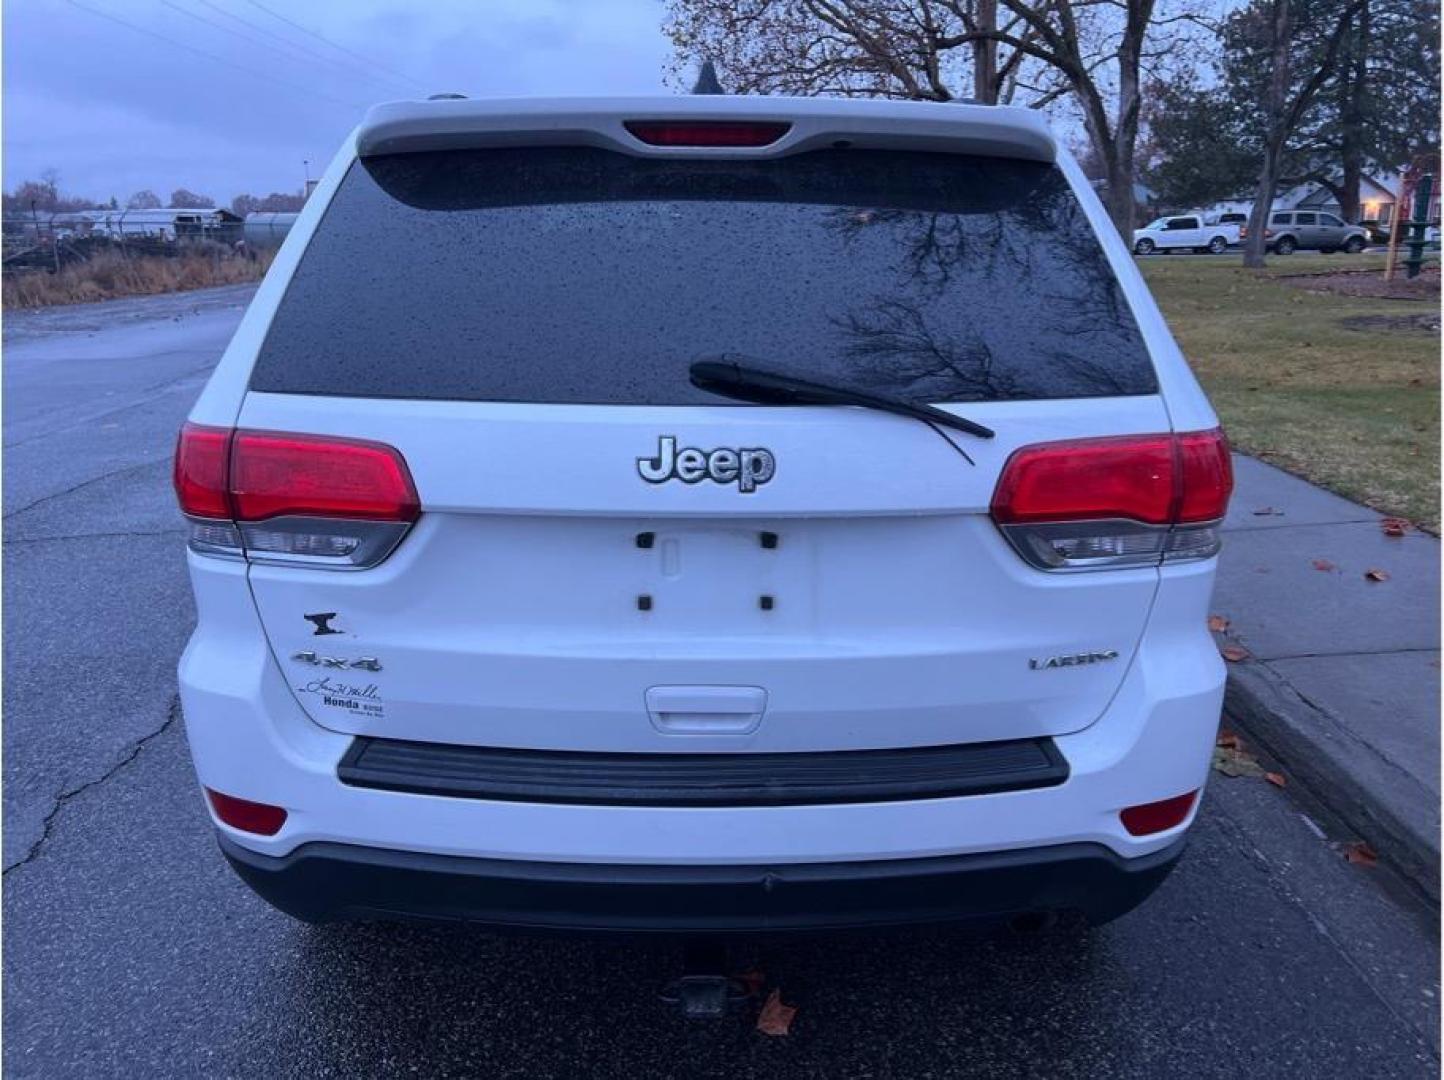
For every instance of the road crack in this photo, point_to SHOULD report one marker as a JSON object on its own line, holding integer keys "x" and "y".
{"x": 152, "y": 395}
{"x": 85, "y": 484}
{"x": 172, "y": 714}
{"x": 91, "y": 536}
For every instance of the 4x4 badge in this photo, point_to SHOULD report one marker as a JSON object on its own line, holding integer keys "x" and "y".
{"x": 749, "y": 468}
{"x": 308, "y": 656}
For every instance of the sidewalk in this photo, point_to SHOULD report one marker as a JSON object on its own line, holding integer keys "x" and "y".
{"x": 1343, "y": 683}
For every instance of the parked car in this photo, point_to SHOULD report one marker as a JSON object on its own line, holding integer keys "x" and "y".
{"x": 1186, "y": 232}
{"x": 1376, "y": 232}
{"x": 585, "y": 533}
{"x": 1291, "y": 230}
{"x": 1232, "y": 222}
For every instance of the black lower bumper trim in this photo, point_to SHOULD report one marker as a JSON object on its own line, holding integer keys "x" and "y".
{"x": 322, "y": 882}
{"x": 753, "y": 779}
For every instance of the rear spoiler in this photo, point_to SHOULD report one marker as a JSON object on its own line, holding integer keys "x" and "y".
{"x": 811, "y": 123}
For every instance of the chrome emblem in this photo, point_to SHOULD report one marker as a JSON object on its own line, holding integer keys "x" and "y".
{"x": 1073, "y": 659}
{"x": 365, "y": 663}
{"x": 748, "y": 468}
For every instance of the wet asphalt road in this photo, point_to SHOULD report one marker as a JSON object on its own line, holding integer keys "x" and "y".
{"x": 130, "y": 950}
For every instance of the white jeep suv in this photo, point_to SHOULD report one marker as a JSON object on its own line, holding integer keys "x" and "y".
{"x": 702, "y": 514}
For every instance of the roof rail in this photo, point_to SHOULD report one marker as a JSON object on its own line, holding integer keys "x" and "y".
{"x": 448, "y": 96}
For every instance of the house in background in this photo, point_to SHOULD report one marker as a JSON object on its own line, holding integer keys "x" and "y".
{"x": 1377, "y": 196}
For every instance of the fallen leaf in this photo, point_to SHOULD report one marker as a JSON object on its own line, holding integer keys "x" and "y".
{"x": 1360, "y": 854}
{"x": 1394, "y": 526}
{"x": 1376, "y": 575}
{"x": 1324, "y": 564}
{"x": 1227, "y": 739}
{"x": 1277, "y": 779}
{"x": 1234, "y": 653}
{"x": 1236, "y": 763}
{"x": 1217, "y": 623}
{"x": 751, "y": 981}
{"x": 775, "y": 1017}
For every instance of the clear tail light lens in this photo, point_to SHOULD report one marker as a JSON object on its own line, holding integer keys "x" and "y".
{"x": 1138, "y": 500}
{"x": 299, "y": 499}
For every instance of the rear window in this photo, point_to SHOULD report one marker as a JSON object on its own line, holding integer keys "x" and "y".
{"x": 577, "y": 275}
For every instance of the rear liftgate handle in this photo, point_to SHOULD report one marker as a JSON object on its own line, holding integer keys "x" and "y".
{"x": 706, "y": 710}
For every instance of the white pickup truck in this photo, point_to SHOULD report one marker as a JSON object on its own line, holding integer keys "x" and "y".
{"x": 1189, "y": 232}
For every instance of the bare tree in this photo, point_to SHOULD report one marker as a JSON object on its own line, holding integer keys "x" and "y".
{"x": 143, "y": 200}
{"x": 181, "y": 199}
{"x": 1273, "y": 32}
{"x": 1091, "y": 50}
{"x": 856, "y": 48}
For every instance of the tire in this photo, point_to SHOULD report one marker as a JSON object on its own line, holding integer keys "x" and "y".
{"x": 1285, "y": 245}
{"x": 1144, "y": 247}
{"x": 1353, "y": 245}
{"x": 1218, "y": 245}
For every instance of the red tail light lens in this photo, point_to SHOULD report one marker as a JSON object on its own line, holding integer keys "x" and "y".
{"x": 1088, "y": 478}
{"x": 202, "y": 456}
{"x": 1088, "y": 504}
{"x": 1205, "y": 475}
{"x": 707, "y": 132}
{"x": 252, "y": 817}
{"x": 279, "y": 497}
{"x": 274, "y": 473}
{"x": 1158, "y": 816}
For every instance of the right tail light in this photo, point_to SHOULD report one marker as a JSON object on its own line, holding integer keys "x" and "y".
{"x": 1137, "y": 500}
{"x": 280, "y": 497}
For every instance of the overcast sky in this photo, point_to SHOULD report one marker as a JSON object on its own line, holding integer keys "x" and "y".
{"x": 116, "y": 109}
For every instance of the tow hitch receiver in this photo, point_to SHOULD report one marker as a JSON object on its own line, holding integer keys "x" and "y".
{"x": 702, "y": 992}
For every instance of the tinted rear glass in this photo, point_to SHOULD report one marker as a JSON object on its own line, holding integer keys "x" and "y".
{"x": 577, "y": 275}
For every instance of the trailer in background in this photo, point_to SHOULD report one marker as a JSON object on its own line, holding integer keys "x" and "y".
{"x": 268, "y": 229}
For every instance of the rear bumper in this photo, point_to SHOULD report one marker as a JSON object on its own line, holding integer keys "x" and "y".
{"x": 321, "y": 882}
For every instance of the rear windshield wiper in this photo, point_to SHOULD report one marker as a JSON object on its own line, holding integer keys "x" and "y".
{"x": 728, "y": 376}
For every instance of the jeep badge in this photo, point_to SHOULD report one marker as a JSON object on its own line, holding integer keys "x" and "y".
{"x": 749, "y": 469}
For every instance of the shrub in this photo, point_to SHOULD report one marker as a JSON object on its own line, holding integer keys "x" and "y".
{"x": 108, "y": 275}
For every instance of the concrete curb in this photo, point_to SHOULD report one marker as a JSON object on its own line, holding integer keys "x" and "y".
{"x": 1385, "y": 806}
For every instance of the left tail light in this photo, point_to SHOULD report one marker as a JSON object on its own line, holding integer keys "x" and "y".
{"x": 279, "y": 497}
{"x": 1093, "y": 504}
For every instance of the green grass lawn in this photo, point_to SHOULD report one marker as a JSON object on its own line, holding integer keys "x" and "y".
{"x": 1355, "y": 410}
